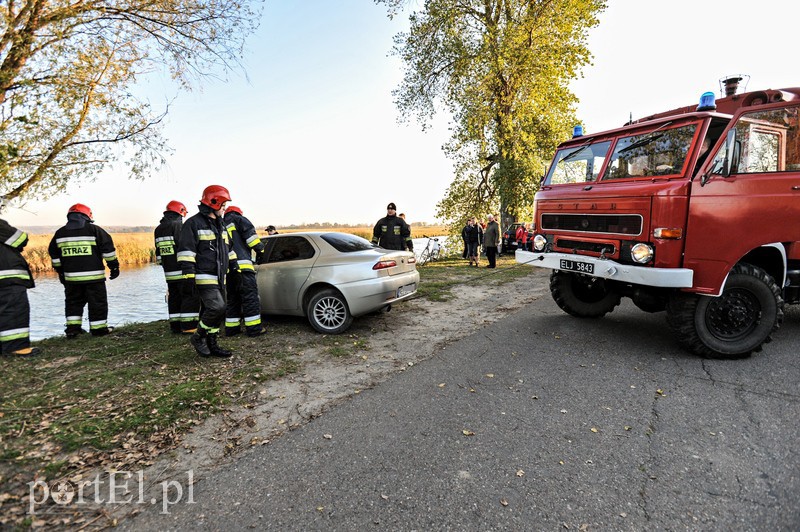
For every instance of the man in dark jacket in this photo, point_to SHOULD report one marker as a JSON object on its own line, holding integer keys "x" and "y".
{"x": 183, "y": 304}
{"x": 491, "y": 239}
{"x": 204, "y": 258}
{"x": 244, "y": 306}
{"x": 392, "y": 232}
{"x": 78, "y": 250}
{"x": 15, "y": 279}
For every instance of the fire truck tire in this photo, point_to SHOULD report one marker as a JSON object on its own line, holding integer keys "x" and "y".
{"x": 582, "y": 296}
{"x": 734, "y": 324}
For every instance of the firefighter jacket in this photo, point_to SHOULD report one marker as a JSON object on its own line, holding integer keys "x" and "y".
{"x": 243, "y": 239}
{"x": 79, "y": 248}
{"x": 13, "y": 267}
{"x": 392, "y": 232}
{"x": 203, "y": 252}
{"x": 167, "y": 238}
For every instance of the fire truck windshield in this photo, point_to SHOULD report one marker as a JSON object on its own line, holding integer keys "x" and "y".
{"x": 578, "y": 164}
{"x": 645, "y": 155}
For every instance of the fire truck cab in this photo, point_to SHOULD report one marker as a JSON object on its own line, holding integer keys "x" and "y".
{"x": 695, "y": 211}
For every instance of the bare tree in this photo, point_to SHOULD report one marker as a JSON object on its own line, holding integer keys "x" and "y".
{"x": 66, "y": 68}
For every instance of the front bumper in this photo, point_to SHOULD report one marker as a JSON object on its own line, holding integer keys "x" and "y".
{"x": 609, "y": 269}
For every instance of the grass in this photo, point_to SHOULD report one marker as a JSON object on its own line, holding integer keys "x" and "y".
{"x": 121, "y": 400}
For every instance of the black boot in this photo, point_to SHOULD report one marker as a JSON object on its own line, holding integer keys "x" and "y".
{"x": 199, "y": 343}
{"x": 215, "y": 349}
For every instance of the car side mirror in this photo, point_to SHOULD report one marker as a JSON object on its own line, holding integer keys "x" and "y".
{"x": 733, "y": 150}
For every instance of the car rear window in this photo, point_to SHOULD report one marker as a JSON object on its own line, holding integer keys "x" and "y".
{"x": 346, "y": 243}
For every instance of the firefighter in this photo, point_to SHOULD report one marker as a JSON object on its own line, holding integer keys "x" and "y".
{"x": 15, "y": 279}
{"x": 244, "y": 306}
{"x": 183, "y": 304}
{"x": 204, "y": 258}
{"x": 392, "y": 232}
{"x": 77, "y": 251}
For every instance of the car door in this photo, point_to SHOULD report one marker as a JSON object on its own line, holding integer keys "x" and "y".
{"x": 282, "y": 273}
{"x": 758, "y": 203}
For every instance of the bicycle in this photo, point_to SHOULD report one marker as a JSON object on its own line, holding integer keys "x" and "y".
{"x": 431, "y": 251}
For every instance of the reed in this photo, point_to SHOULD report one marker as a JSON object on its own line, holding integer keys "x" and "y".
{"x": 132, "y": 249}
{"x": 138, "y": 248}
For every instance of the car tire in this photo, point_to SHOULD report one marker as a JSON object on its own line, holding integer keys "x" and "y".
{"x": 328, "y": 313}
{"x": 732, "y": 325}
{"x": 582, "y": 296}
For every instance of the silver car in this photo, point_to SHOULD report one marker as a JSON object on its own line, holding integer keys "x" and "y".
{"x": 331, "y": 278}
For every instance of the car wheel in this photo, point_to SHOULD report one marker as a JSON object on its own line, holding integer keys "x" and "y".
{"x": 732, "y": 325}
{"x": 582, "y": 296}
{"x": 328, "y": 313}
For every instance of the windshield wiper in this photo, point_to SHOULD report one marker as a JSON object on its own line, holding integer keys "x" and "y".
{"x": 647, "y": 139}
{"x": 576, "y": 152}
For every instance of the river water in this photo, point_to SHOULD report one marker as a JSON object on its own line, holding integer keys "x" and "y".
{"x": 137, "y": 295}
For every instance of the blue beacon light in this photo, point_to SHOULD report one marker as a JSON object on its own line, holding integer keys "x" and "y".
{"x": 707, "y": 102}
{"x": 577, "y": 131}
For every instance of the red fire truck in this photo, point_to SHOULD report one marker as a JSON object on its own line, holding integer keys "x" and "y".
{"x": 695, "y": 211}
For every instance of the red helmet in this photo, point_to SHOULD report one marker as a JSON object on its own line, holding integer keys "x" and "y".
{"x": 214, "y": 196}
{"x": 83, "y": 209}
{"x": 231, "y": 208}
{"x": 177, "y": 206}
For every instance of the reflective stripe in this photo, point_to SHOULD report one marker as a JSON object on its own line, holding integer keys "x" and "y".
{"x": 174, "y": 317}
{"x": 212, "y": 330}
{"x": 246, "y": 266}
{"x": 204, "y": 278}
{"x": 56, "y": 263}
{"x": 189, "y": 316}
{"x": 231, "y": 227}
{"x": 85, "y": 276}
{"x": 174, "y": 275}
{"x": 253, "y": 241}
{"x": 252, "y": 320}
{"x": 14, "y": 334}
{"x": 14, "y": 274}
{"x": 186, "y": 256}
{"x": 232, "y": 321}
{"x": 98, "y": 324}
{"x": 16, "y": 239}
{"x": 231, "y": 255}
{"x": 74, "y": 320}
{"x": 206, "y": 234}
{"x": 110, "y": 256}
{"x": 188, "y": 276}
{"x": 169, "y": 239}
{"x": 76, "y": 241}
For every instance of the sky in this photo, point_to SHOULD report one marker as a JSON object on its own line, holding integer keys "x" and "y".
{"x": 309, "y": 132}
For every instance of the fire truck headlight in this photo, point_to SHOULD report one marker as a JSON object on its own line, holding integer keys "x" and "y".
{"x": 642, "y": 253}
{"x": 539, "y": 242}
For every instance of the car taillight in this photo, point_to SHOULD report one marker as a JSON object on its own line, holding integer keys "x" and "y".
{"x": 384, "y": 264}
{"x": 412, "y": 260}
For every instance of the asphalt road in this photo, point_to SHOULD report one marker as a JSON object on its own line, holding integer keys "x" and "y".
{"x": 537, "y": 422}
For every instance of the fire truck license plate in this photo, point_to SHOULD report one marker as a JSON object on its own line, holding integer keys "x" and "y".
{"x": 576, "y": 266}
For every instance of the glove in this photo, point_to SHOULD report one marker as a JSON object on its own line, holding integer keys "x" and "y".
{"x": 114, "y": 273}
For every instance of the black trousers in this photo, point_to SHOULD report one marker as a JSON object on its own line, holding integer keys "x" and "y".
{"x": 183, "y": 303}
{"x": 212, "y": 308}
{"x": 15, "y": 315}
{"x": 77, "y": 296}
{"x": 244, "y": 307}
{"x": 491, "y": 254}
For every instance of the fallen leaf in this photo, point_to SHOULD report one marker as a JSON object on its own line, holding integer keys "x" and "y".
{"x": 467, "y": 432}
{"x": 660, "y": 392}
{"x": 594, "y": 429}
{"x": 504, "y": 502}
{"x": 384, "y": 497}
{"x": 441, "y": 385}
{"x": 520, "y": 473}
{"x": 320, "y": 508}
{"x": 563, "y": 411}
{"x": 627, "y": 427}
{"x": 490, "y": 375}
{"x": 561, "y": 462}
{"x": 327, "y": 436}
{"x": 623, "y": 514}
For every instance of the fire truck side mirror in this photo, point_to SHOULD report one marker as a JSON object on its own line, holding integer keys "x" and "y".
{"x": 733, "y": 152}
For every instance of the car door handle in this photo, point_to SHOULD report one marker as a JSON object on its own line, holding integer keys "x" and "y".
{"x": 796, "y": 187}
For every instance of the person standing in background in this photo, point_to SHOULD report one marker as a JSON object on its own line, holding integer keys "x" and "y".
{"x": 77, "y": 251}
{"x": 491, "y": 239}
{"x": 244, "y": 307}
{"x": 183, "y": 304}
{"x": 15, "y": 280}
{"x": 392, "y": 232}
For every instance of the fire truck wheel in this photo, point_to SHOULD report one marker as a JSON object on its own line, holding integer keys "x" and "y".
{"x": 734, "y": 324}
{"x": 582, "y": 296}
